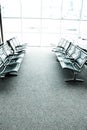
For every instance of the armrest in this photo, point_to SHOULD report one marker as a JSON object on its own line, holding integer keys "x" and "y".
{"x": 71, "y": 58}
{"x": 60, "y": 47}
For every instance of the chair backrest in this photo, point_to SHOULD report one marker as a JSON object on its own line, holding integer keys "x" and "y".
{"x": 2, "y": 54}
{"x": 7, "y": 49}
{"x": 2, "y": 67}
{"x": 81, "y": 60}
{"x": 76, "y": 54}
{"x": 10, "y": 43}
{"x": 1, "y": 43}
{"x": 67, "y": 44}
{"x": 15, "y": 41}
{"x": 1, "y": 62}
{"x": 71, "y": 49}
{"x": 64, "y": 43}
{"x": 60, "y": 42}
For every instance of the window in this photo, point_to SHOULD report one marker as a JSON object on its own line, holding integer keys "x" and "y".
{"x": 43, "y": 22}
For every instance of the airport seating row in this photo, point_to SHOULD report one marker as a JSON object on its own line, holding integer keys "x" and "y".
{"x": 11, "y": 56}
{"x": 72, "y": 57}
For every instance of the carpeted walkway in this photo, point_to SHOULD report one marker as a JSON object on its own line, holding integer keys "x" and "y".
{"x": 39, "y": 99}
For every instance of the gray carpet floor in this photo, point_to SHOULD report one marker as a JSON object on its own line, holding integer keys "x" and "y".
{"x": 40, "y": 99}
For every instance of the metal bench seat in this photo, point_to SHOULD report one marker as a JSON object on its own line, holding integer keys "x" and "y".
{"x": 67, "y": 55}
{"x": 74, "y": 59}
{"x": 11, "y": 52}
{"x": 64, "y": 50}
{"x": 18, "y": 44}
{"x": 60, "y": 45}
{"x": 9, "y": 61}
{"x": 76, "y": 65}
{"x": 8, "y": 69}
{"x": 70, "y": 65}
{"x": 8, "y": 57}
{"x": 16, "y": 49}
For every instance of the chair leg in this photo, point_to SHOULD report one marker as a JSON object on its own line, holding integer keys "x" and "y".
{"x": 2, "y": 76}
{"x": 74, "y": 79}
{"x": 12, "y": 74}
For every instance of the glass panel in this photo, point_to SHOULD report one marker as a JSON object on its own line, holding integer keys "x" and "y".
{"x": 84, "y": 10}
{"x": 31, "y": 8}
{"x": 71, "y": 9}
{"x": 33, "y": 39}
{"x": 51, "y": 9}
{"x": 8, "y": 35}
{"x": 31, "y": 25}
{"x": 37, "y": 21}
{"x": 11, "y": 8}
{"x": 50, "y": 26}
{"x": 83, "y": 29}
{"x": 69, "y": 26}
{"x": 49, "y": 39}
{"x": 12, "y": 25}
